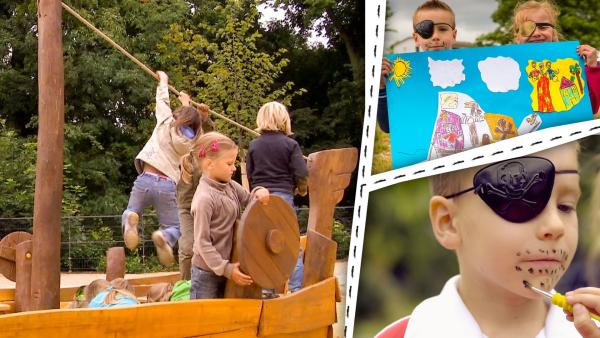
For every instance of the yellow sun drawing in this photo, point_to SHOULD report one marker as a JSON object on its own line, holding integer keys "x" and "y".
{"x": 400, "y": 71}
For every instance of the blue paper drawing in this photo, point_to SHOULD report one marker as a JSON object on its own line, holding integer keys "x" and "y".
{"x": 444, "y": 102}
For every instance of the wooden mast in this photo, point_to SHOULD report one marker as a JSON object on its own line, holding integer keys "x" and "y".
{"x": 45, "y": 283}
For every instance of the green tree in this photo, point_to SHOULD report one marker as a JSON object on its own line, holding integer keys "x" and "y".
{"x": 576, "y": 22}
{"x": 231, "y": 74}
{"x": 339, "y": 20}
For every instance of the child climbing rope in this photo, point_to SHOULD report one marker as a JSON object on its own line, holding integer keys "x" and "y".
{"x": 158, "y": 168}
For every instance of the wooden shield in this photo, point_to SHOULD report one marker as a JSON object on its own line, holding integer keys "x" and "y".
{"x": 268, "y": 242}
{"x": 8, "y": 246}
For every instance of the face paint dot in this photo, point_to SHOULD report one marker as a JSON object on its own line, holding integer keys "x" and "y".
{"x": 527, "y": 251}
{"x": 518, "y": 268}
{"x": 518, "y": 254}
{"x": 553, "y": 250}
{"x": 540, "y": 270}
{"x": 530, "y": 270}
{"x": 542, "y": 284}
{"x": 525, "y": 283}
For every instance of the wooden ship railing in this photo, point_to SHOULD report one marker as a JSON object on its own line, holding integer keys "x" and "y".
{"x": 310, "y": 312}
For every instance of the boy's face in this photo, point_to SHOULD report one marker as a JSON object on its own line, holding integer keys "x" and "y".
{"x": 444, "y": 33}
{"x": 496, "y": 255}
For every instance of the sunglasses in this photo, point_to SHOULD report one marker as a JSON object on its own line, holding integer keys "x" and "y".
{"x": 528, "y": 27}
{"x": 426, "y": 28}
{"x": 517, "y": 190}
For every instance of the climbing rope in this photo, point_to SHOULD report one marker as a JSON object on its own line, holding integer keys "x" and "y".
{"x": 146, "y": 68}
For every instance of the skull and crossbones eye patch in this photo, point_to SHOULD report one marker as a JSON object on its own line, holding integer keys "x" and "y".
{"x": 518, "y": 189}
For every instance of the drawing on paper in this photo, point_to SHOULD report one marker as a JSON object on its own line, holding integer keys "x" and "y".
{"x": 454, "y": 100}
{"x": 556, "y": 85}
{"x": 400, "y": 71}
{"x": 460, "y": 125}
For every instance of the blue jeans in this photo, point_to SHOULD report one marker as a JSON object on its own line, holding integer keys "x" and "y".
{"x": 295, "y": 283}
{"x": 206, "y": 284}
{"x": 159, "y": 192}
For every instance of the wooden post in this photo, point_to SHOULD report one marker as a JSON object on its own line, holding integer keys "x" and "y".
{"x": 23, "y": 258}
{"x": 115, "y": 263}
{"x": 45, "y": 276}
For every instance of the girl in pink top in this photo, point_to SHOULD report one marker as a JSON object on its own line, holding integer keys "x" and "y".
{"x": 535, "y": 21}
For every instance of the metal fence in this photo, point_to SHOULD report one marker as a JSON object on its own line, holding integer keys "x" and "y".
{"x": 85, "y": 239}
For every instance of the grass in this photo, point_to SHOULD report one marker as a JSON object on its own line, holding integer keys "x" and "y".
{"x": 382, "y": 155}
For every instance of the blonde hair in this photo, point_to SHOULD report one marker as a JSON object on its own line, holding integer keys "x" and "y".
{"x": 116, "y": 287}
{"x": 94, "y": 288}
{"x": 433, "y": 5}
{"x": 209, "y": 145}
{"x": 545, "y": 5}
{"x": 122, "y": 283}
{"x": 160, "y": 292}
{"x": 273, "y": 116}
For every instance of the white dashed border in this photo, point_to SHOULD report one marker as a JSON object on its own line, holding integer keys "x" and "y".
{"x": 515, "y": 147}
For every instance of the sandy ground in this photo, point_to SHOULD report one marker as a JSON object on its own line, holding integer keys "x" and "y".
{"x": 77, "y": 279}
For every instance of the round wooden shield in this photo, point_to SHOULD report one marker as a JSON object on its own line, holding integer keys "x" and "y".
{"x": 268, "y": 242}
{"x": 8, "y": 245}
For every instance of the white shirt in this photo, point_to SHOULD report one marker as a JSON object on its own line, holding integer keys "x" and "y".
{"x": 446, "y": 315}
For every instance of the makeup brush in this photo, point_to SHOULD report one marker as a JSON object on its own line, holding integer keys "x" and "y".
{"x": 557, "y": 299}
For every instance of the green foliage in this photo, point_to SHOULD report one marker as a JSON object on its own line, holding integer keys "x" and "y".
{"x": 87, "y": 245}
{"x": 576, "y": 22}
{"x": 138, "y": 264}
{"x": 17, "y": 173}
{"x": 341, "y": 234}
{"x": 231, "y": 73}
{"x": 342, "y": 22}
{"x": 382, "y": 155}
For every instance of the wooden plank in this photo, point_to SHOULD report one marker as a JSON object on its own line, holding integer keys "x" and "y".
{"x": 170, "y": 277}
{"x": 309, "y": 309}
{"x": 45, "y": 274}
{"x": 7, "y": 294}
{"x": 140, "y": 284}
{"x": 329, "y": 173}
{"x": 319, "y": 258}
{"x": 23, "y": 277}
{"x": 10, "y": 304}
{"x": 214, "y": 317}
{"x": 5, "y": 307}
{"x": 321, "y": 332}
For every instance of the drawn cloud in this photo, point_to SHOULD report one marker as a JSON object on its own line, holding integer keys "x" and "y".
{"x": 446, "y": 73}
{"x": 500, "y": 74}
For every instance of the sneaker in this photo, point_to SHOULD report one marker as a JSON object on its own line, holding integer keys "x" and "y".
{"x": 163, "y": 249}
{"x": 130, "y": 229}
{"x": 269, "y": 294}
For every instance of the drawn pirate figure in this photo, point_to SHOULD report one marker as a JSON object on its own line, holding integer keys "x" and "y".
{"x": 534, "y": 73}
{"x": 552, "y": 73}
{"x": 470, "y": 120}
{"x": 543, "y": 91}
